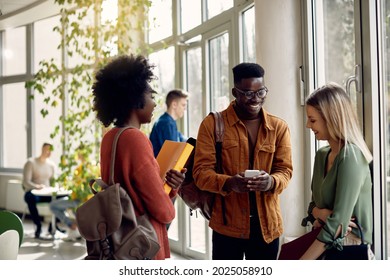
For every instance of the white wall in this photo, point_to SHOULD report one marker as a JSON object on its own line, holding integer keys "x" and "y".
{"x": 4, "y": 177}
{"x": 279, "y": 51}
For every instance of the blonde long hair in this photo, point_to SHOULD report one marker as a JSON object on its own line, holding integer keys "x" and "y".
{"x": 335, "y": 106}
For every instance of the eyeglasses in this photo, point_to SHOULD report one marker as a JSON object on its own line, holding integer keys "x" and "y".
{"x": 261, "y": 93}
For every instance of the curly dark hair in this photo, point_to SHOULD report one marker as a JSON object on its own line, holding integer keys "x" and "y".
{"x": 120, "y": 87}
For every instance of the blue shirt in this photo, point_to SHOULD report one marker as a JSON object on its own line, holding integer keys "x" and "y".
{"x": 164, "y": 128}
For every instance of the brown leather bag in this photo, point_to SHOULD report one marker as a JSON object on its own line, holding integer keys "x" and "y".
{"x": 109, "y": 225}
{"x": 193, "y": 197}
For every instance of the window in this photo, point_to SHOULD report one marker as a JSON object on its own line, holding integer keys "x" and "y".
{"x": 191, "y": 14}
{"x": 165, "y": 73}
{"x": 44, "y": 126}
{"x": 14, "y": 51}
{"x": 14, "y": 125}
{"x": 219, "y": 72}
{"x": 46, "y": 41}
{"x": 160, "y": 20}
{"x": 193, "y": 74}
{"x": 386, "y": 88}
{"x": 81, "y": 49}
{"x": 248, "y": 35}
{"x": 215, "y": 7}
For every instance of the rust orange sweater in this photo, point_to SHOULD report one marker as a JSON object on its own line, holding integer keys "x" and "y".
{"x": 137, "y": 170}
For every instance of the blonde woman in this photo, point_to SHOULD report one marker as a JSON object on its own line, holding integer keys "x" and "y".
{"x": 341, "y": 183}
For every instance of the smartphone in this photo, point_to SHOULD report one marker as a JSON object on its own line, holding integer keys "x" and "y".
{"x": 252, "y": 173}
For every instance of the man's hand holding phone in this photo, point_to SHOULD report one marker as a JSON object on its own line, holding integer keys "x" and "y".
{"x": 259, "y": 180}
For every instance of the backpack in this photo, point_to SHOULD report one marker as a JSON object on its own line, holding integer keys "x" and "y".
{"x": 109, "y": 225}
{"x": 193, "y": 197}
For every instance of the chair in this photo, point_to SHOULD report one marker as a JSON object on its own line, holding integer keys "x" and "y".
{"x": 15, "y": 201}
{"x": 9, "y": 242}
{"x": 11, "y": 235}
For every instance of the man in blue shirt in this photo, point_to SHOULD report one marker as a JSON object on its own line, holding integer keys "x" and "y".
{"x": 165, "y": 127}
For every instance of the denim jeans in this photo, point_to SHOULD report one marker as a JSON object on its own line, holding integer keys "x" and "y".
{"x": 59, "y": 207}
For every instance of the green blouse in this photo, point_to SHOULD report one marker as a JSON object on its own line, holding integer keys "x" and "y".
{"x": 346, "y": 189}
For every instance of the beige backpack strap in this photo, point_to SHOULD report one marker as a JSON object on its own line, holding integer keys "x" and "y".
{"x": 113, "y": 153}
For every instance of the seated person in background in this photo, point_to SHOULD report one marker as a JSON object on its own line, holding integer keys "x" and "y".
{"x": 37, "y": 173}
{"x": 165, "y": 127}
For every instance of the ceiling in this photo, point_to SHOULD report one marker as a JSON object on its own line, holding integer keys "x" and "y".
{"x": 9, "y": 6}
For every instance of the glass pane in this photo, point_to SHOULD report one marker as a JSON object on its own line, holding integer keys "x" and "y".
{"x": 44, "y": 126}
{"x": 164, "y": 61}
{"x": 197, "y": 232}
{"x": 335, "y": 45}
{"x": 14, "y": 123}
{"x": 219, "y": 72}
{"x": 46, "y": 42}
{"x": 386, "y": 88}
{"x": 336, "y": 40}
{"x": 173, "y": 231}
{"x": 215, "y": 7}
{"x": 248, "y": 35}
{"x": 194, "y": 87}
{"x": 193, "y": 75}
{"x": 79, "y": 107}
{"x": 14, "y": 51}
{"x": 109, "y": 12}
{"x": 80, "y": 49}
{"x": 109, "y": 18}
{"x": 191, "y": 14}
{"x": 160, "y": 20}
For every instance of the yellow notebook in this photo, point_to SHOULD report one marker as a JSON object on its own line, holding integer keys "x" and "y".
{"x": 173, "y": 155}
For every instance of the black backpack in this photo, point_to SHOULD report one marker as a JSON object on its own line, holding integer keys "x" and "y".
{"x": 193, "y": 197}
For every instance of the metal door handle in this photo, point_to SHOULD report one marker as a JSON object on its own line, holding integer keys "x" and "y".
{"x": 355, "y": 78}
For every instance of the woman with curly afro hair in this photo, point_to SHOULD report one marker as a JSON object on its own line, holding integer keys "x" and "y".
{"x": 123, "y": 97}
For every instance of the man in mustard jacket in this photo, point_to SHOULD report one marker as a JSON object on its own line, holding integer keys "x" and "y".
{"x": 246, "y": 218}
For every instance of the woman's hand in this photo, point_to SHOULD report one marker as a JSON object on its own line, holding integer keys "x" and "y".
{"x": 351, "y": 225}
{"x": 320, "y": 214}
{"x": 175, "y": 178}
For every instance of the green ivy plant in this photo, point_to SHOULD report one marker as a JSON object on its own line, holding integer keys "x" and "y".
{"x": 89, "y": 41}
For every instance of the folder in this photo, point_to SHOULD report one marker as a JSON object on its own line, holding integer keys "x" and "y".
{"x": 173, "y": 155}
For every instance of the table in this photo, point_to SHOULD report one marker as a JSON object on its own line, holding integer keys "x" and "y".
{"x": 53, "y": 192}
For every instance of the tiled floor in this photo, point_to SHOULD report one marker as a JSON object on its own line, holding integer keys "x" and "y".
{"x": 52, "y": 249}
